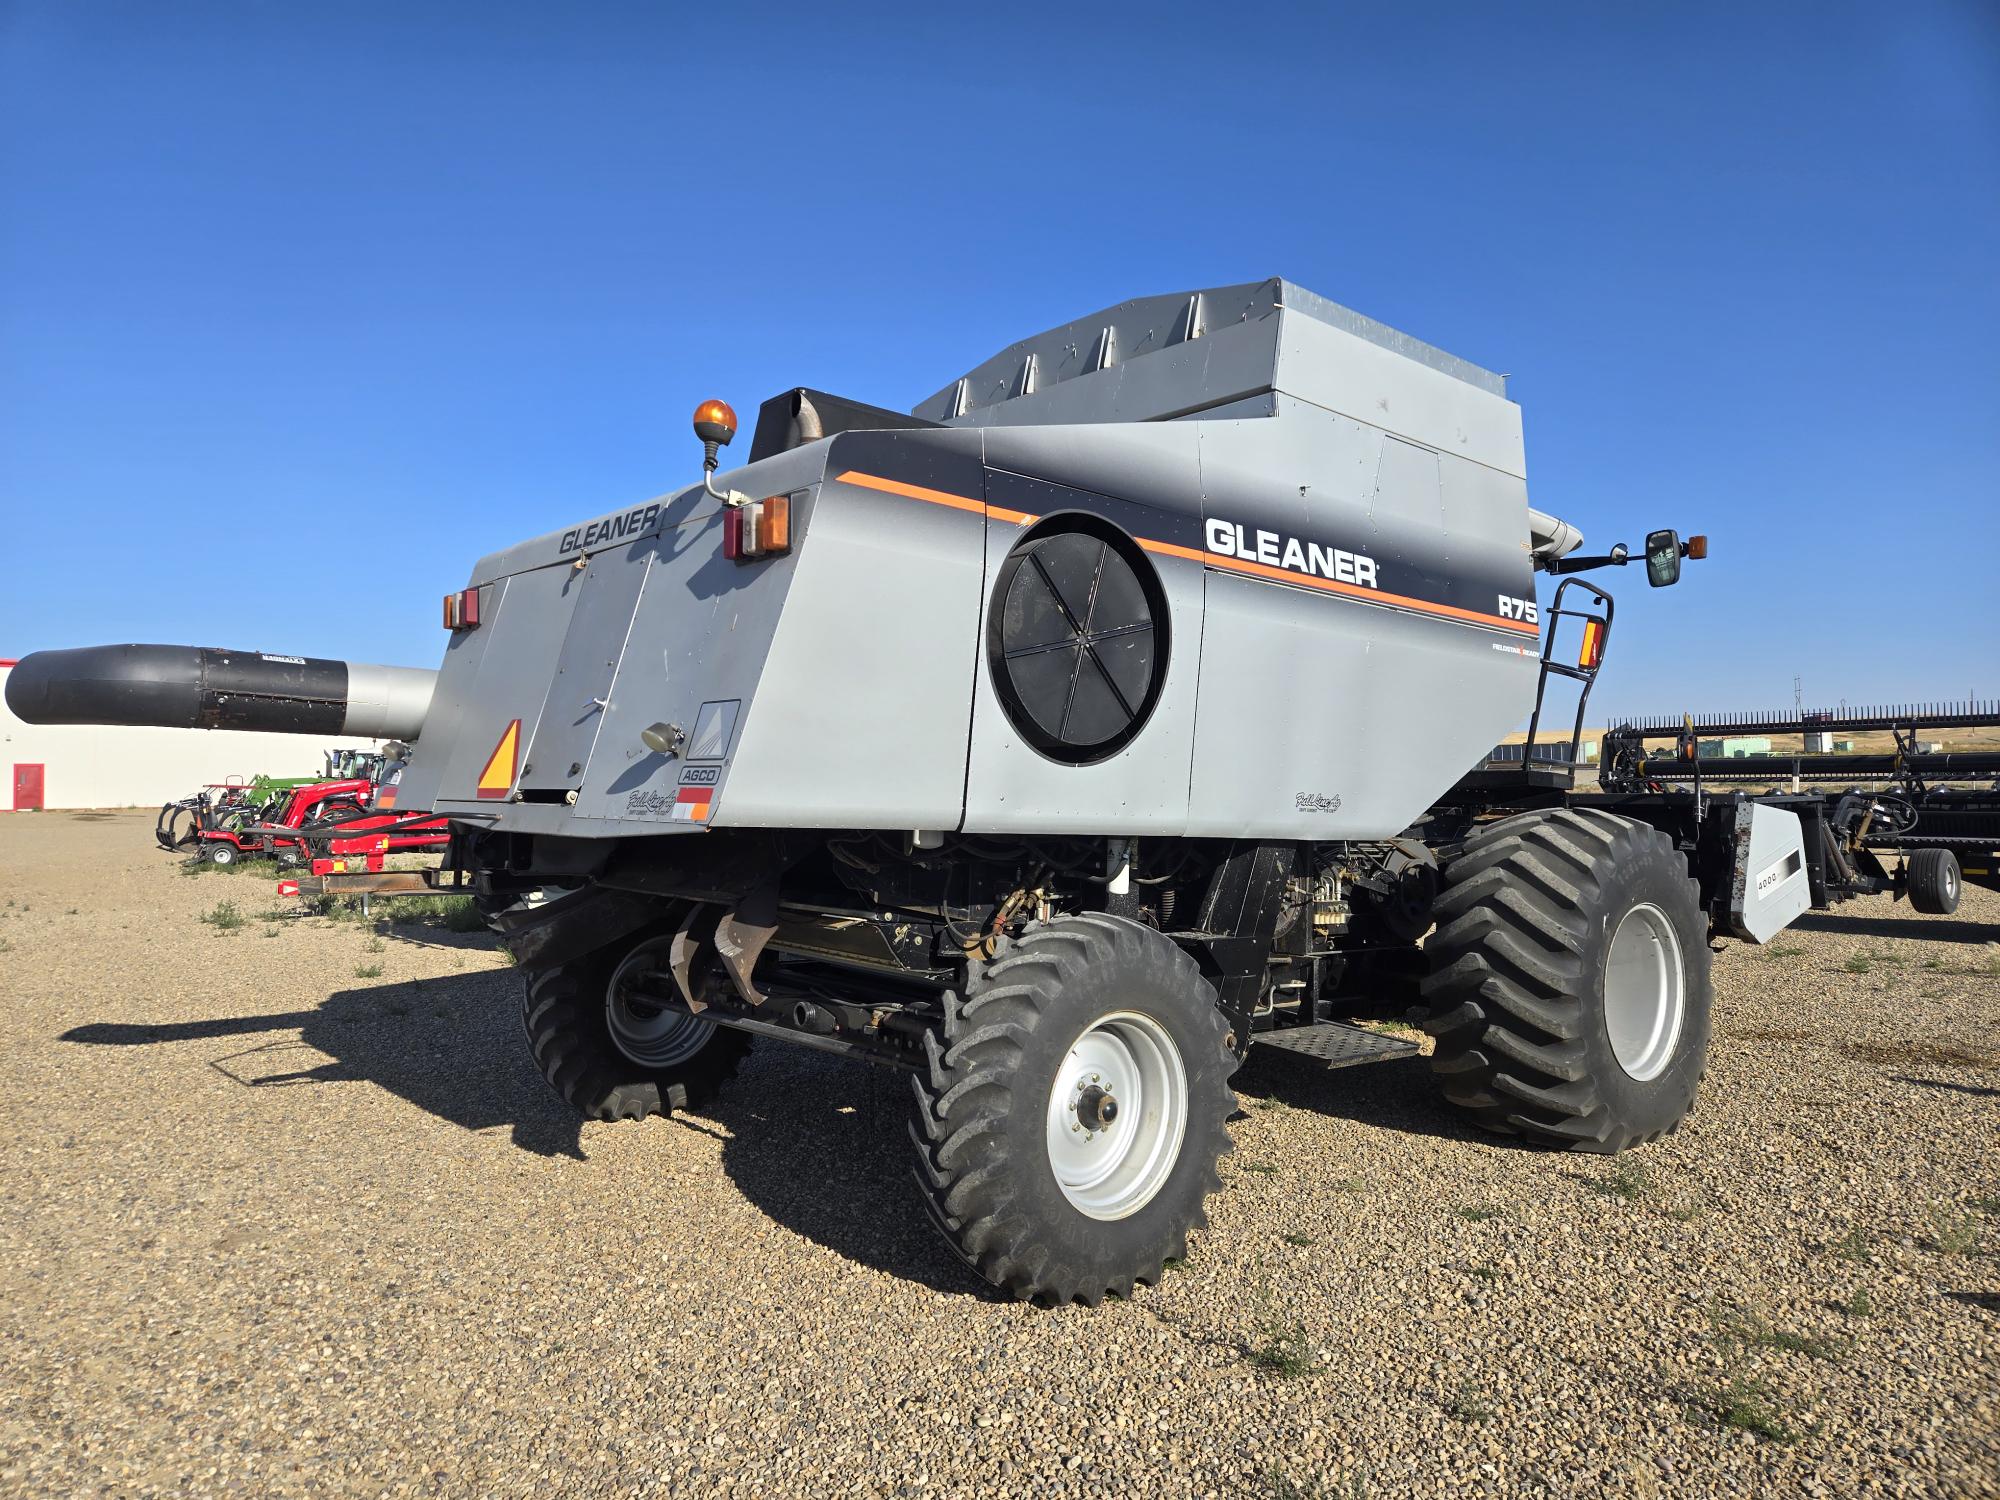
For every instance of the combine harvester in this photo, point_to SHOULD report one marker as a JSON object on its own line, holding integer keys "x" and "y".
{"x": 1055, "y": 745}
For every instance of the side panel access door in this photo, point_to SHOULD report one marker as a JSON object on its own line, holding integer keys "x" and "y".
{"x": 524, "y": 627}
{"x": 607, "y": 588}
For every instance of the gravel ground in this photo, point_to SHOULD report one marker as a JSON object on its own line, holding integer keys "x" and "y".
{"x": 272, "y": 1223}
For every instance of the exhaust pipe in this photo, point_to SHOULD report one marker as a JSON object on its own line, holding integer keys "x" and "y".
{"x": 205, "y": 687}
{"x": 809, "y": 1017}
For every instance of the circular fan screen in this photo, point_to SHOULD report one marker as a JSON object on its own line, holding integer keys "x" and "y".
{"x": 1078, "y": 642}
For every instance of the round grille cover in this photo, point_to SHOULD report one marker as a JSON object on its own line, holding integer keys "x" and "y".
{"x": 1078, "y": 639}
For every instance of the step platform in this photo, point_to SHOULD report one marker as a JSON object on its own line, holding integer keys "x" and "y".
{"x": 1337, "y": 1044}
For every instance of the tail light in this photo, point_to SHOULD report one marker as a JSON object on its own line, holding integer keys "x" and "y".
{"x": 461, "y": 610}
{"x": 1593, "y": 645}
{"x": 763, "y": 528}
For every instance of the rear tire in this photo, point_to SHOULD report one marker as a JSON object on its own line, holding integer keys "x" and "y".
{"x": 1569, "y": 981}
{"x": 1071, "y": 1117}
{"x": 222, "y": 852}
{"x": 570, "y": 1013}
{"x": 1933, "y": 882}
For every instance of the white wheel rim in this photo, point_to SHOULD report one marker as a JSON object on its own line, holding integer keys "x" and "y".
{"x": 1645, "y": 992}
{"x": 652, "y": 1035}
{"x": 1111, "y": 1168}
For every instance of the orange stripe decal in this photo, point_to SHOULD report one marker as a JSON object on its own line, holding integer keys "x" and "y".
{"x": 1241, "y": 565}
{"x": 1333, "y": 586}
{"x": 913, "y": 491}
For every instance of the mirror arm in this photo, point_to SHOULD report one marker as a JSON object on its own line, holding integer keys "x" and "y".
{"x": 1585, "y": 564}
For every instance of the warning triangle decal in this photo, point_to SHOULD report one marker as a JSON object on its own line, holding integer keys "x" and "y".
{"x": 498, "y": 777}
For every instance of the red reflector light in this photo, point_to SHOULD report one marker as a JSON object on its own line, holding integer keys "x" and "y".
{"x": 288, "y": 888}
{"x": 1593, "y": 645}
{"x": 461, "y": 610}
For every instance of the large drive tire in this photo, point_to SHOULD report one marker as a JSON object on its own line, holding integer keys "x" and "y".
{"x": 1569, "y": 981}
{"x": 610, "y": 1056}
{"x": 1934, "y": 883}
{"x": 1069, "y": 1122}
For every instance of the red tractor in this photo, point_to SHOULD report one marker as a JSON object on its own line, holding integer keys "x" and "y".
{"x": 262, "y": 829}
{"x": 349, "y": 810}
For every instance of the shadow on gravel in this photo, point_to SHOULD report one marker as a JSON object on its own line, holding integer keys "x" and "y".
{"x": 822, "y": 1146}
{"x": 1931, "y": 929}
{"x": 1977, "y": 1090}
{"x": 1396, "y": 1095}
{"x": 450, "y": 1045}
{"x": 818, "y": 1144}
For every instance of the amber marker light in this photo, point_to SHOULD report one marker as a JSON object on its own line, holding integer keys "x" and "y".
{"x": 715, "y": 425}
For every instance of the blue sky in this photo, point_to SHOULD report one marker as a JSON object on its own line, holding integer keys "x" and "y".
{"x": 302, "y": 308}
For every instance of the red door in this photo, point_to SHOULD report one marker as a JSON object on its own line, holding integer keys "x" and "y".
{"x": 27, "y": 788}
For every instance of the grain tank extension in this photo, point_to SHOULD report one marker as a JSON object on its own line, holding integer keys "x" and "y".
{"x": 1123, "y": 706}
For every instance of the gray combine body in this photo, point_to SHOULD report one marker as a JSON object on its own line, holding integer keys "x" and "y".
{"x": 1336, "y": 516}
{"x": 1124, "y": 706}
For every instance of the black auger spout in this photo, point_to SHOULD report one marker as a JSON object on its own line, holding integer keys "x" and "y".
{"x": 207, "y": 687}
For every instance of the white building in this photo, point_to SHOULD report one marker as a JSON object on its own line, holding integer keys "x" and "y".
{"x": 81, "y": 765}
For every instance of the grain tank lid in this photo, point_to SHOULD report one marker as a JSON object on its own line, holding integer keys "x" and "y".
{"x": 1121, "y": 336}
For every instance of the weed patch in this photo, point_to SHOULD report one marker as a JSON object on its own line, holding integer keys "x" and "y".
{"x": 1733, "y": 1326}
{"x": 368, "y": 971}
{"x": 1627, "y": 1180}
{"x": 1478, "y": 1213}
{"x": 1284, "y": 1352}
{"x": 224, "y": 916}
{"x": 1745, "y": 1405}
{"x": 1952, "y": 1232}
{"x": 1854, "y": 1246}
{"x": 1468, "y": 1404}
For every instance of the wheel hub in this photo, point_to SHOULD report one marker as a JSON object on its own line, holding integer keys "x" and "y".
{"x": 652, "y": 1032}
{"x": 1645, "y": 992}
{"x": 1117, "y": 1113}
{"x": 1096, "y": 1108}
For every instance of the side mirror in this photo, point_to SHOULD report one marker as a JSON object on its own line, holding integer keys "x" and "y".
{"x": 1663, "y": 558}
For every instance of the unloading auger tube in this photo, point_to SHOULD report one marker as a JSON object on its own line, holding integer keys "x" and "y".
{"x": 207, "y": 687}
